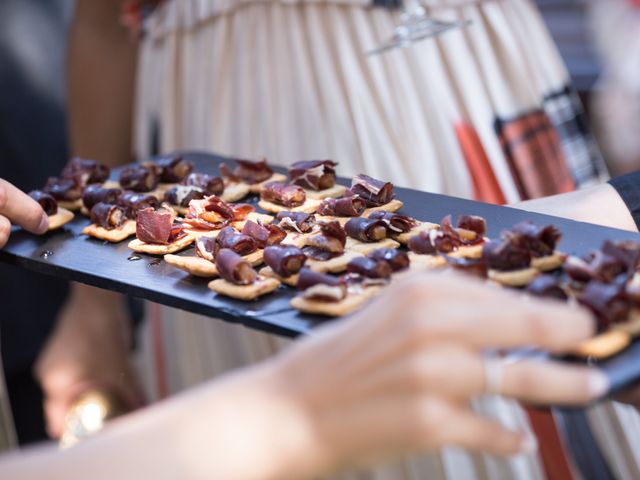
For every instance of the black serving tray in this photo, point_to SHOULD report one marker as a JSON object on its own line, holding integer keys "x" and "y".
{"x": 68, "y": 254}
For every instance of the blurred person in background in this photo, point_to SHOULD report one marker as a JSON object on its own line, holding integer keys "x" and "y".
{"x": 93, "y": 342}
{"x": 486, "y": 112}
{"x": 616, "y": 25}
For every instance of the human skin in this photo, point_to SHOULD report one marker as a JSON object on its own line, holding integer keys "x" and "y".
{"x": 356, "y": 392}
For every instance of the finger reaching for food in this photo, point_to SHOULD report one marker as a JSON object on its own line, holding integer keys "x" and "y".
{"x": 19, "y": 208}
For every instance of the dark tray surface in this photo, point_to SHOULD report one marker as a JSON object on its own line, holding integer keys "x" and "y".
{"x": 79, "y": 258}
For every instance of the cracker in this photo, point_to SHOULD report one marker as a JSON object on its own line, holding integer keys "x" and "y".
{"x": 276, "y": 177}
{"x": 255, "y": 258}
{"x": 292, "y": 281}
{"x": 197, "y": 233}
{"x": 196, "y": 266}
{"x": 62, "y": 217}
{"x": 404, "y": 238}
{"x": 115, "y": 235}
{"x": 296, "y": 239}
{"x": 367, "y": 247}
{"x": 426, "y": 262}
{"x": 393, "y": 206}
{"x": 182, "y": 211}
{"x": 333, "y": 265}
{"x": 235, "y": 191}
{"x": 550, "y": 262}
{"x": 261, "y": 286}
{"x": 309, "y": 206}
{"x": 468, "y": 251}
{"x": 514, "y": 278}
{"x": 604, "y": 345}
{"x": 326, "y": 218}
{"x": 334, "y": 192}
{"x": 345, "y": 306}
{"x": 74, "y": 206}
{"x": 158, "y": 249}
{"x": 111, "y": 184}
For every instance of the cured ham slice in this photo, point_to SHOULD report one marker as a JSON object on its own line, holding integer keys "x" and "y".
{"x": 247, "y": 171}
{"x": 351, "y": 206}
{"x": 295, "y": 221}
{"x": 209, "y": 184}
{"x": 282, "y": 194}
{"x": 284, "y": 260}
{"x": 264, "y": 234}
{"x": 313, "y": 174}
{"x": 320, "y": 286}
{"x": 107, "y": 216}
{"x": 46, "y": 201}
{"x": 63, "y": 189}
{"x": 375, "y": 192}
{"x": 398, "y": 260}
{"x": 140, "y": 177}
{"x": 134, "y": 201}
{"x": 396, "y": 223}
{"x": 230, "y": 239}
{"x": 235, "y": 269}
{"x": 155, "y": 226}
{"x": 366, "y": 229}
{"x": 96, "y": 194}
{"x": 175, "y": 169}
{"x": 85, "y": 171}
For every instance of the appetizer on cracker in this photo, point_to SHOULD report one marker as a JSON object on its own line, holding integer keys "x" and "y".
{"x": 277, "y": 197}
{"x": 58, "y": 216}
{"x": 239, "y": 279}
{"x": 326, "y": 249}
{"x": 284, "y": 262}
{"x": 158, "y": 233}
{"x": 317, "y": 177}
{"x": 377, "y": 194}
{"x": 249, "y": 174}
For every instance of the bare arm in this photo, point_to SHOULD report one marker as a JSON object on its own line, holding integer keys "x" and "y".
{"x": 101, "y": 79}
{"x": 600, "y": 205}
{"x": 357, "y": 392}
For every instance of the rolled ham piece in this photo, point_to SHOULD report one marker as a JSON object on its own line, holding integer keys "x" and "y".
{"x": 85, "y": 171}
{"x": 366, "y": 229}
{"x": 96, "y": 194}
{"x": 46, "y": 201}
{"x": 107, "y": 216}
{"x": 295, "y": 221}
{"x": 209, "y": 184}
{"x": 140, "y": 177}
{"x": 313, "y": 174}
{"x": 350, "y": 206}
{"x": 264, "y": 234}
{"x": 235, "y": 269}
{"x": 248, "y": 171}
{"x": 375, "y": 192}
{"x": 285, "y": 260}
{"x": 174, "y": 169}
{"x": 289, "y": 196}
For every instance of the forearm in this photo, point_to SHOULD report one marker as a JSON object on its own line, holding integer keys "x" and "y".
{"x": 101, "y": 79}
{"x": 601, "y": 205}
{"x": 240, "y": 427}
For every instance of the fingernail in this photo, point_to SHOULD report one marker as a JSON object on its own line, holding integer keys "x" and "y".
{"x": 598, "y": 384}
{"x": 43, "y": 226}
{"x": 529, "y": 445}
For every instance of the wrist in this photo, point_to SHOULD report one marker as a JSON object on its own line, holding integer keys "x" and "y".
{"x": 247, "y": 412}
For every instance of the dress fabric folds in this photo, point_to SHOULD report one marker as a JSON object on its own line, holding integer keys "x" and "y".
{"x": 288, "y": 80}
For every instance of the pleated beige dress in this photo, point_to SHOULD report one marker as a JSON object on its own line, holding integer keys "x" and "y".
{"x": 289, "y": 80}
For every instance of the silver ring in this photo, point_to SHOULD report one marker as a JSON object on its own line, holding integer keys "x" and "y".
{"x": 493, "y": 375}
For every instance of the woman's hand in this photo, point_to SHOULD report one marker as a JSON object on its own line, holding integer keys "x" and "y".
{"x": 19, "y": 208}
{"x": 397, "y": 377}
{"x": 88, "y": 349}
